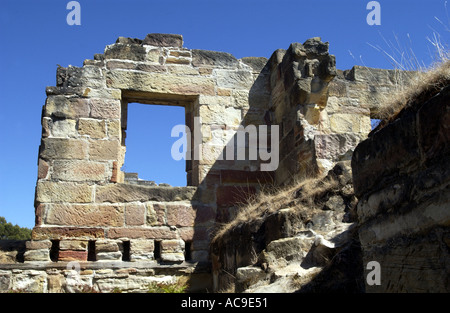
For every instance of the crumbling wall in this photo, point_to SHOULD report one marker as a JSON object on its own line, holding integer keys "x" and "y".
{"x": 402, "y": 179}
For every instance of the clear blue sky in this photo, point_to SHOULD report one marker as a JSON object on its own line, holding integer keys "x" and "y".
{"x": 35, "y": 38}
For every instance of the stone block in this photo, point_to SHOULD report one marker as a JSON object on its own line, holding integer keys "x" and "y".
{"x": 156, "y": 214}
{"x": 142, "y": 249}
{"x": 116, "y": 193}
{"x": 72, "y": 255}
{"x": 109, "y": 256}
{"x": 62, "y": 107}
{"x": 75, "y": 245}
{"x": 78, "y": 171}
{"x": 63, "y": 192}
{"x": 38, "y": 244}
{"x": 172, "y": 250}
{"x": 234, "y": 79}
{"x": 113, "y": 129}
{"x": 201, "y": 58}
{"x": 134, "y": 214}
{"x": 61, "y": 148}
{"x": 122, "y": 51}
{"x": 180, "y": 215}
{"x": 43, "y": 168}
{"x": 62, "y": 128}
{"x": 91, "y": 127}
{"x": 104, "y": 108}
{"x": 161, "y": 82}
{"x": 85, "y": 215}
{"x": 104, "y": 150}
{"x": 39, "y": 255}
{"x": 161, "y": 232}
{"x": 106, "y": 246}
{"x": 163, "y": 40}
{"x": 57, "y": 233}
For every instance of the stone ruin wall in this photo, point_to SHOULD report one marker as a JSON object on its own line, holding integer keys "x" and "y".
{"x": 401, "y": 176}
{"x": 86, "y": 211}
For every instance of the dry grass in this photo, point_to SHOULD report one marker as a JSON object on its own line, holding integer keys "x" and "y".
{"x": 302, "y": 197}
{"x": 422, "y": 85}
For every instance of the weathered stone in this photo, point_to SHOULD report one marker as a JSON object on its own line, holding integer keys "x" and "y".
{"x": 63, "y": 128}
{"x": 134, "y": 214}
{"x": 164, "y": 40}
{"x": 8, "y": 257}
{"x": 78, "y": 171}
{"x": 105, "y": 109}
{"x": 180, "y": 215}
{"x": 125, "y": 51}
{"x": 63, "y": 192}
{"x": 72, "y": 255}
{"x": 213, "y": 59}
{"x": 43, "y": 168}
{"x": 59, "y": 148}
{"x": 103, "y": 150}
{"x": 117, "y": 193}
{"x": 48, "y": 233}
{"x": 37, "y": 245}
{"x": 161, "y": 83}
{"x": 256, "y": 63}
{"x": 76, "y": 245}
{"x": 62, "y": 107}
{"x": 109, "y": 256}
{"x": 92, "y": 128}
{"x": 234, "y": 79}
{"x": 106, "y": 246}
{"x": 85, "y": 215}
{"x": 40, "y": 255}
{"x": 161, "y": 232}
{"x": 29, "y": 282}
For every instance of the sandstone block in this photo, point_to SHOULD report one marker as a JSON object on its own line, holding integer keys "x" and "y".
{"x": 172, "y": 257}
{"x": 161, "y": 232}
{"x": 180, "y": 215}
{"x": 43, "y": 168}
{"x": 163, "y": 40}
{"x": 213, "y": 59}
{"x": 40, "y": 255}
{"x": 63, "y": 192}
{"x": 85, "y": 215}
{"x": 63, "y": 107}
{"x": 172, "y": 246}
{"x": 63, "y": 128}
{"x": 109, "y": 256}
{"x": 92, "y": 128}
{"x": 38, "y": 244}
{"x": 76, "y": 245}
{"x": 104, "y": 108}
{"x": 116, "y": 193}
{"x": 134, "y": 214}
{"x": 59, "y": 148}
{"x": 106, "y": 246}
{"x": 114, "y": 131}
{"x": 104, "y": 150}
{"x": 142, "y": 250}
{"x": 234, "y": 79}
{"x": 47, "y": 233}
{"x": 156, "y": 214}
{"x": 161, "y": 82}
{"x": 132, "y": 52}
{"x": 72, "y": 255}
{"x": 78, "y": 171}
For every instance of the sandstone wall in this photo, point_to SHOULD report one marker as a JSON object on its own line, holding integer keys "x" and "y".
{"x": 402, "y": 179}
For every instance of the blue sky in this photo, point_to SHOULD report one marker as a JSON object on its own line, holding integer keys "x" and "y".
{"x": 35, "y": 38}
